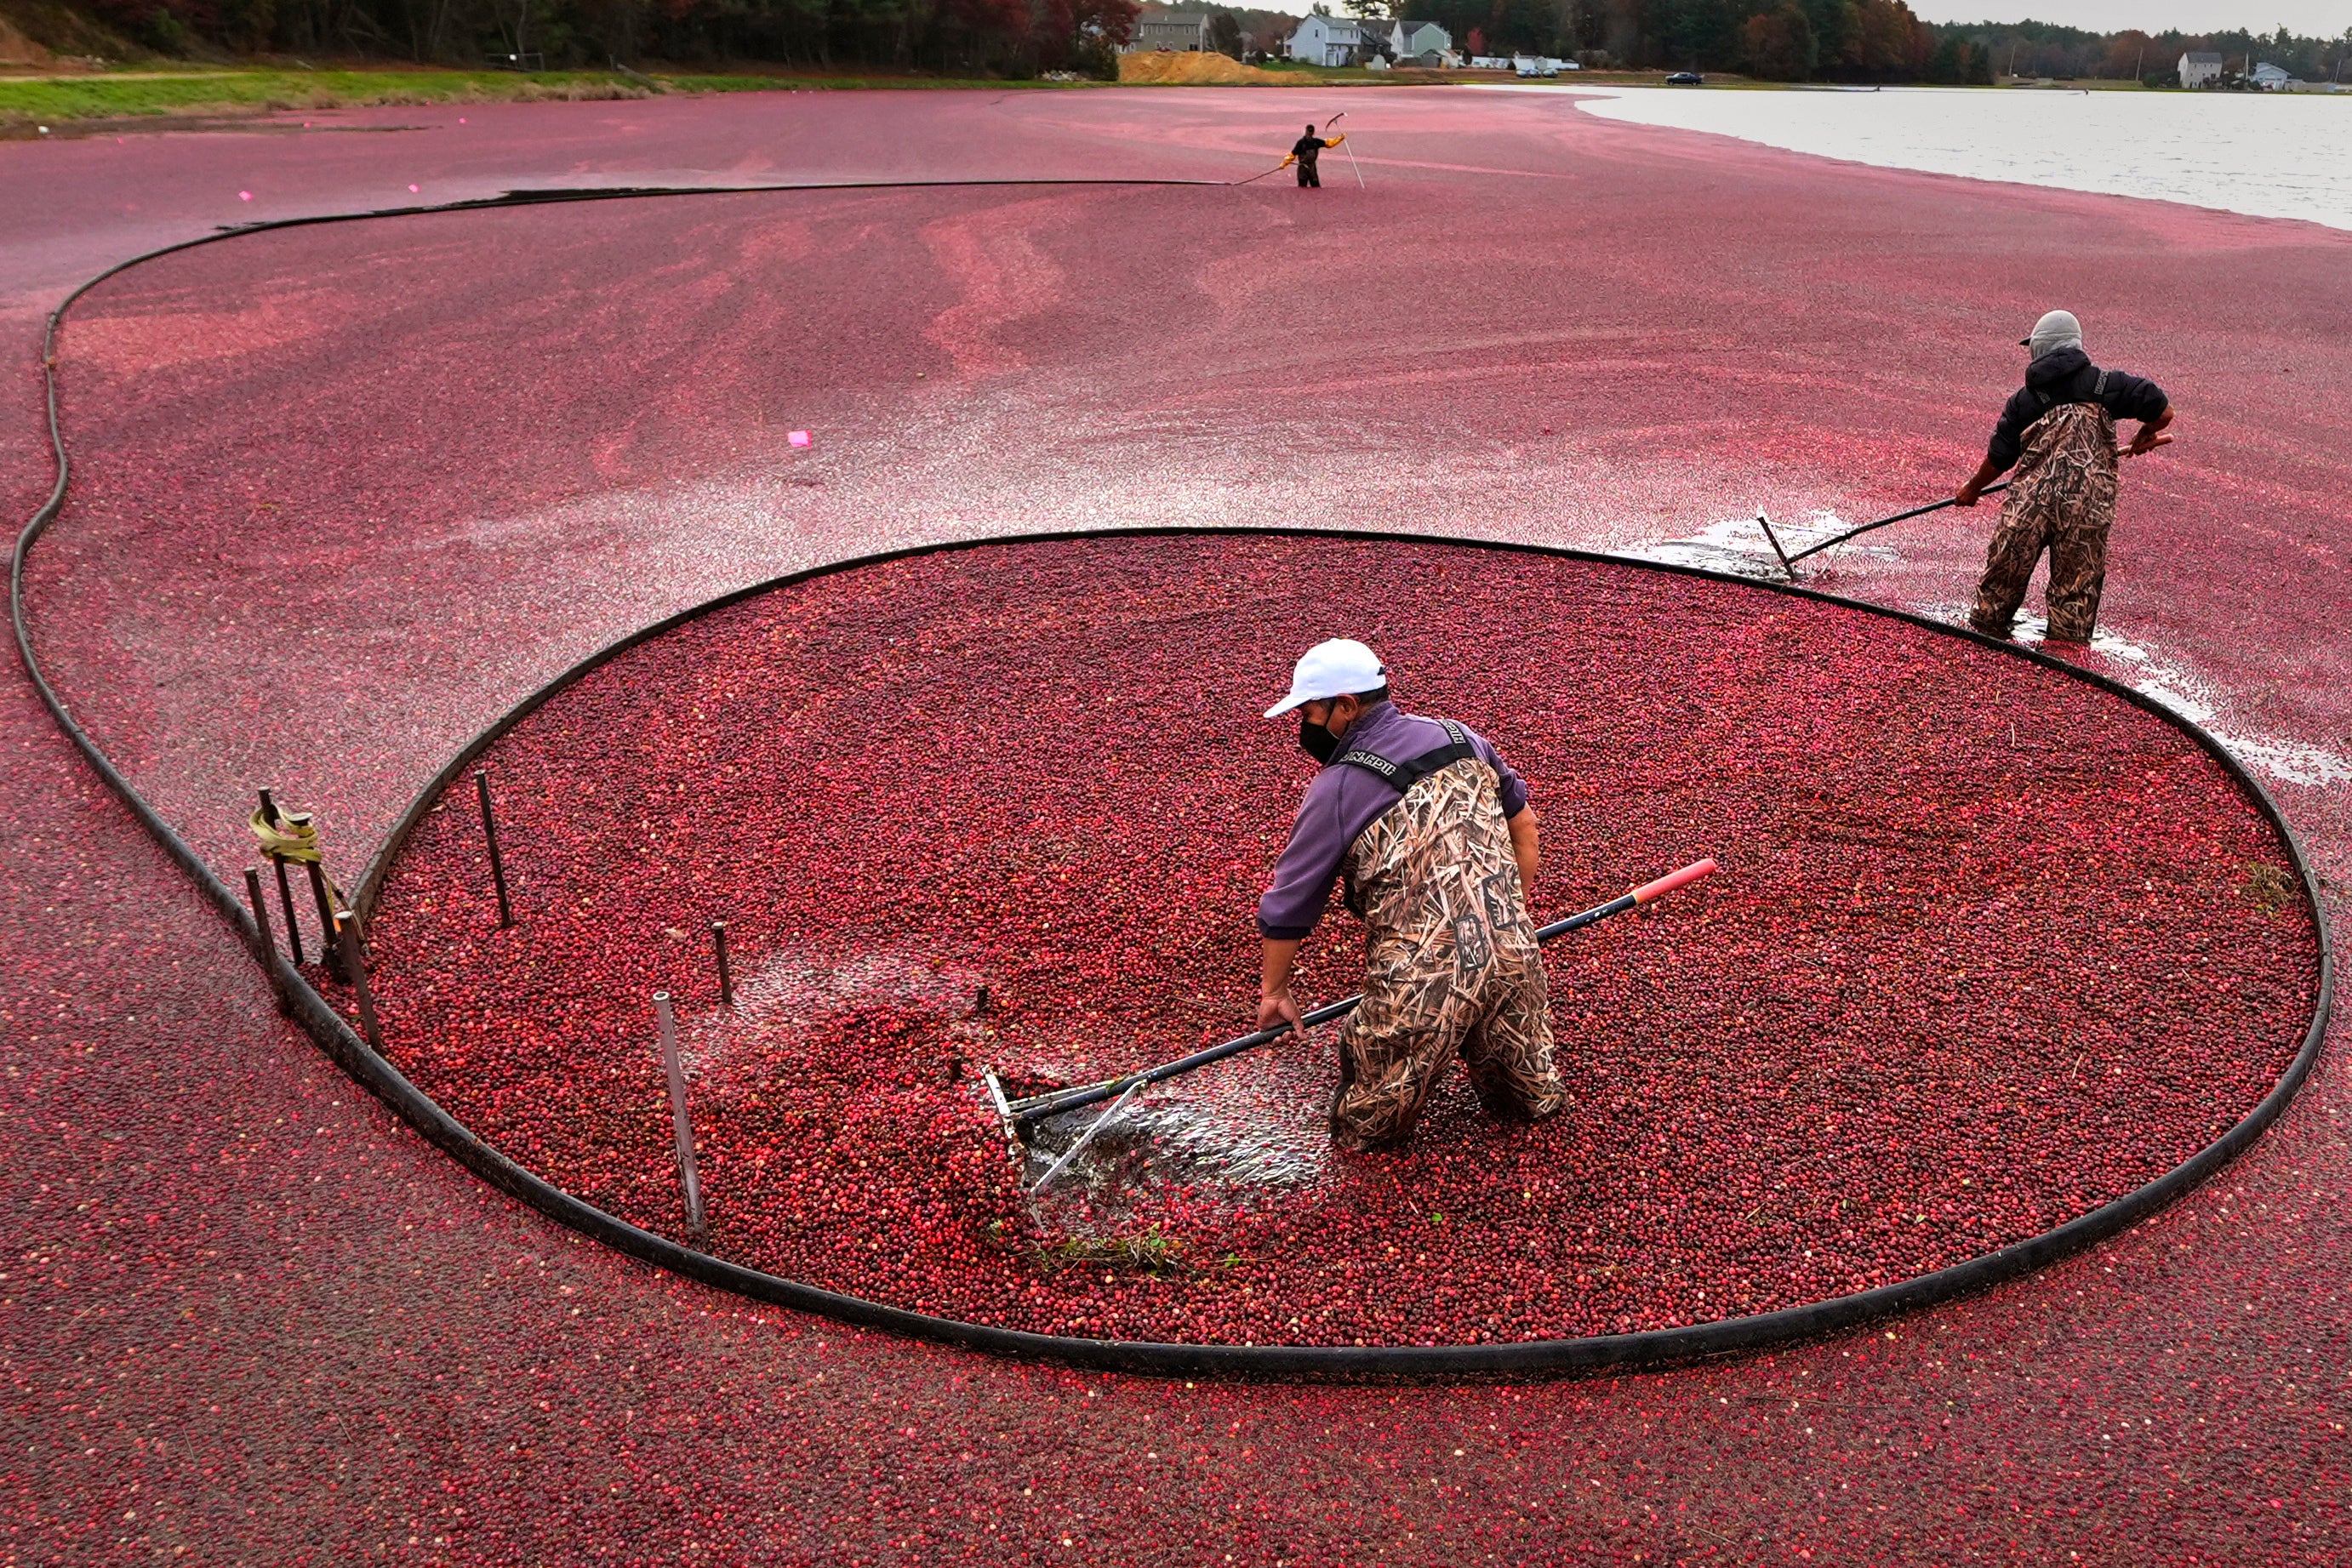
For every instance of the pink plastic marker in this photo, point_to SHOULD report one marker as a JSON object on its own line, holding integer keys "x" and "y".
{"x": 244, "y": 196}
{"x": 798, "y": 438}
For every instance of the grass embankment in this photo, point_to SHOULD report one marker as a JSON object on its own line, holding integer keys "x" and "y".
{"x": 58, "y": 98}
{"x": 120, "y": 94}
{"x": 55, "y": 99}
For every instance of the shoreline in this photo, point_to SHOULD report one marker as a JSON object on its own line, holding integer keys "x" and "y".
{"x": 175, "y": 95}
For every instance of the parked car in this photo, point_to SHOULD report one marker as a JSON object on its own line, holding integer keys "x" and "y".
{"x": 1686, "y": 78}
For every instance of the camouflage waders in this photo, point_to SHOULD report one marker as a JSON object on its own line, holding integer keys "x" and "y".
{"x": 2062, "y": 500}
{"x": 1450, "y": 963}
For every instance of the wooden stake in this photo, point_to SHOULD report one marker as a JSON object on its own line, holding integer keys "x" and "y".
{"x": 684, "y": 1128}
{"x": 354, "y": 952}
{"x": 490, "y": 837}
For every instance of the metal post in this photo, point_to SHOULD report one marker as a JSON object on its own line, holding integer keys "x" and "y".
{"x": 285, "y": 888}
{"x": 327, "y": 944}
{"x": 268, "y": 948}
{"x": 354, "y": 952}
{"x": 726, "y": 980}
{"x": 267, "y": 951}
{"x": 678, "y": 1122}
{"x": 490, "y": 837}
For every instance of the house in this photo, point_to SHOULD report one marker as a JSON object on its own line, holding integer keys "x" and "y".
{"x": 1424, "y": 43}
{"x": 2199, "y": 67}
{"x": 1323, "y": 40}
{"x": 1180, "y": 32}
{"x": 2271, "y": 78}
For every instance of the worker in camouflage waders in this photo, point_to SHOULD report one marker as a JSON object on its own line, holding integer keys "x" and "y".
{"x": 1432, "y": 831}
{"x": 2059, "y": 432}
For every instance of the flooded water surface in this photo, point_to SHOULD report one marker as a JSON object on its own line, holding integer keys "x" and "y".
{"x": 2273, "y": 155}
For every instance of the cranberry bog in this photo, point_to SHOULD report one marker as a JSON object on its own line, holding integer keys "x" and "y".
{"x": 236, "y": 1267}
{"x": 1992, "y": 950}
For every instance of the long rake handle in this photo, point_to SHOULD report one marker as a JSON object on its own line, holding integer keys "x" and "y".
{"x": 1883, "y": 522}
{"x": 1789, "y": 562}
{"x": 1038, "y": 1107}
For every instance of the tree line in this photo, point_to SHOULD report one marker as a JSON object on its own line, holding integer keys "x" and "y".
{"x": 1788, "y": 40}
{"x": 1007, "y": 39}
{"x": 1844, "y": 41}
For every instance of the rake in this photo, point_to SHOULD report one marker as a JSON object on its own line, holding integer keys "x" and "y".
{"x": 1020, "y": 1115}
{"x": 1789, "y": 562}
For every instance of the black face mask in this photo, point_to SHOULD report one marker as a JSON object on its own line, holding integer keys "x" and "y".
{"x": 1319, "y": 742}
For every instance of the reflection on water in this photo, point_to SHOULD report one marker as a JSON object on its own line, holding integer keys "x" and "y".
{"x": 2268, "y": 154}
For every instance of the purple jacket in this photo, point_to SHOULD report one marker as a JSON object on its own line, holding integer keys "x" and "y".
{"x": 1344, "y": 800}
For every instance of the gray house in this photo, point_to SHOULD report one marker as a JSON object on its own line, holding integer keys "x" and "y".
{"x": 2199, "y": 66}
{"x": 1323, "y": 40}
{"x": 1420, "y": 43}
{"x": 1180, "y": 32}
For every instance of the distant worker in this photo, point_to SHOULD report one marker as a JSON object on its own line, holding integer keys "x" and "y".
{"x": 2059, "y": 432}
{"x": 1433, "y": 833}
{"x": 1304, "y": 151}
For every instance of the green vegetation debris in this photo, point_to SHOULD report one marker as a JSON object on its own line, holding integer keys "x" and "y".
{"x": 1153, "y": 1252}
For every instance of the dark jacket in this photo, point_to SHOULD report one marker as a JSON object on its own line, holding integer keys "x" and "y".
{"x": 2062, "y": 376}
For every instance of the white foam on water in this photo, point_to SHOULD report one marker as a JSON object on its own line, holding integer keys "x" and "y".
{"x": 2313, "y": 767}
{"x": 783, "y": 996}
{"x": 2187, "y": 692}
{"x": 1739, "y": 545}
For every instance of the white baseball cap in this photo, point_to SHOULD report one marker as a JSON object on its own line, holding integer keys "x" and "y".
{"x": 1332, "y": 669}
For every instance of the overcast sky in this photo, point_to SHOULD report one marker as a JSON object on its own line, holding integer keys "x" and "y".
{"x": 2312, "y": 18}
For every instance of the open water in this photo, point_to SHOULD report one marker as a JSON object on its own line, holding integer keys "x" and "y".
{"x": 2273, "y": 155}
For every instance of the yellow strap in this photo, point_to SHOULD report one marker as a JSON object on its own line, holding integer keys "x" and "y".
{"x": 288, "y": 840}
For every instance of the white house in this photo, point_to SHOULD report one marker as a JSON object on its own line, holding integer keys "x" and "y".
{"x": 2199, "y": 66}
{"x": 2271, "y": 78}
{"x": 1323, "y": 40}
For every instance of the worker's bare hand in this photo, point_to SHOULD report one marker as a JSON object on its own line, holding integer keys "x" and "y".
{"x": 1967, "y": 497}
{"x": 1278, "y": 1006}
{"x": 2148, "y": 441}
